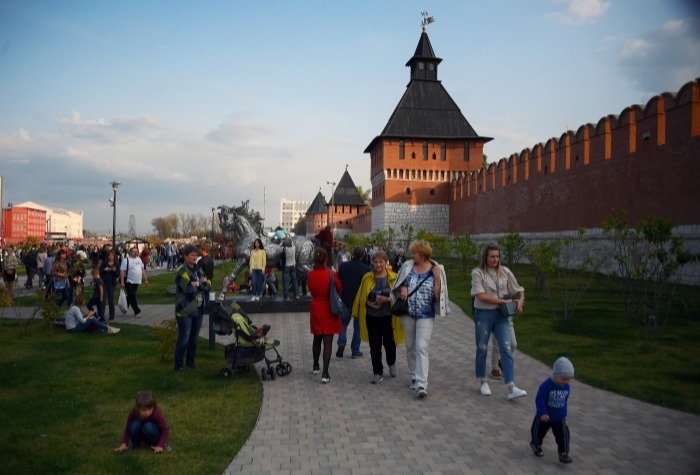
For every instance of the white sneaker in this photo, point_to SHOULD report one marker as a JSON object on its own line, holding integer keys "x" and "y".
{"x": 485, "y": 389}
{"x": 412, "y": 386}
{"x": 392, "y": 370}
{"x": 516, "y": 393}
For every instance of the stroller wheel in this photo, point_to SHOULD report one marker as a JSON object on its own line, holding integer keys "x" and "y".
{"x": 283, "y": 369}
{"x": 272, "y": 373}
{"x": 263, "y": 374}
{"x": 226, "y": 372}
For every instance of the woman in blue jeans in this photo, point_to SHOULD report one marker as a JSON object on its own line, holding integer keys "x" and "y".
{"x": 190, "y": 286}
{"x": 492, "y": 285}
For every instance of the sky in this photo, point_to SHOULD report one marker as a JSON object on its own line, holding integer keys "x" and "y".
{"x": 195, "y": 104}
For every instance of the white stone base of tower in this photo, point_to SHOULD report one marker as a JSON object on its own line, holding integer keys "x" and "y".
{"x": 432, "y": 218}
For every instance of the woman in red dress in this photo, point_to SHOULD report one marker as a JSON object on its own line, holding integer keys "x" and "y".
{"x": 323, "y": 323}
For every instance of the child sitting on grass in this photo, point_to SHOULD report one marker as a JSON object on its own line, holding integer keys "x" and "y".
{"x": 145, "y": 424}
{"x": 551, "y": 404}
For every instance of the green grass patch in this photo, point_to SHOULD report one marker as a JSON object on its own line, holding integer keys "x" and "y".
{"x": 609, "y": 351}
{"x": 65, "y": 399}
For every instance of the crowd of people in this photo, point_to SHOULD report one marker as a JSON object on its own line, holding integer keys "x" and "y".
{"x": 393, "y": 300}
{"x": 389, "y": 298}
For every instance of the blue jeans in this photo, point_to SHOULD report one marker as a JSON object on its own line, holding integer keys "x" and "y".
{"x": 187, "y": 336}
{"x": 256, "y": 276}
{"x": 290, "y": 272}
{"x": 485, "y": 323}
{"x": 143, "y": 433}
{"x": 343, "y": 336}
{"x": 89, "y": 323}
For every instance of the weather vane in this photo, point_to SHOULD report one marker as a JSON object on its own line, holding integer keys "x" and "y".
{"x": 427, "y": 20}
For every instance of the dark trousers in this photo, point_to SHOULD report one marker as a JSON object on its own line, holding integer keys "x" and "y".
{"x": 95, "y": 302}
{"x": 559, "y": 428}
{"x": 381, "y": 333}
{"x": 31, "y": 272}
{"x": 187, "y": 336}
{"x": 109, "y": 295}
{"x": 131, "y": 297}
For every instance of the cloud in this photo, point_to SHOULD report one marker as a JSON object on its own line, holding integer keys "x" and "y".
{"x": 579, "y": 11}
{"x": 664, "y": 58}
{"x": 165, "y": 170}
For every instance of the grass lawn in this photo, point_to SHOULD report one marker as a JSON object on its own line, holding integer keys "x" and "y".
{"x": 609, "y": 351}
{"x": 65, "y": 399}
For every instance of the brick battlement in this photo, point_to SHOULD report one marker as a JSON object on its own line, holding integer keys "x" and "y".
{"x": 646, "y": 160}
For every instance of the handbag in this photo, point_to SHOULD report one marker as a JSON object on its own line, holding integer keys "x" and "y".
{"x": 337, "y": 305}
{"x": 508, "y": 309}
{"x": 122, "y": 301}
{"x": 400, "y": 307}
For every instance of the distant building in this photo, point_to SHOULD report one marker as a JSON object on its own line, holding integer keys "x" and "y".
{"x": 21, "y": 222}
{"x": 346, "y": 211}
{"x": 60, "y": 224}
{"x": 291, "y": 211}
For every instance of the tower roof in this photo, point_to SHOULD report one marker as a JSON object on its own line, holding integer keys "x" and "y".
{"x": 426, "y": 110}
{"x": 346, "y": 193}
{"x": 318, "y": 205}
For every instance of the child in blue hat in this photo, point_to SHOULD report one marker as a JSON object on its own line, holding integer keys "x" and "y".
{"x": 551, "y": 401}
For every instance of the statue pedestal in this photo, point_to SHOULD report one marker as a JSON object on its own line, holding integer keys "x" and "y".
{"x": 273, "y": 304}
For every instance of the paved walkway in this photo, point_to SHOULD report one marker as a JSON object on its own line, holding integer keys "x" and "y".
{"x": 352, "y": 427}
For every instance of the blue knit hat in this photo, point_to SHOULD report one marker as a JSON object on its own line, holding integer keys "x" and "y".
{"x": 563, "y": 368}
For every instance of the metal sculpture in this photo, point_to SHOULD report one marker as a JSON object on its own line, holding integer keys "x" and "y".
{"x": 247, "y": 225}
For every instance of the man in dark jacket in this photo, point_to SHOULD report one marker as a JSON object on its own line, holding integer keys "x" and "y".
{"x": 350, "y": 275}
{"x": 29, "y": 261}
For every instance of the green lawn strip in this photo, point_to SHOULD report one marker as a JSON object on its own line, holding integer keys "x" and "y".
{"x": 65, "y": 399}
{"x": 608, "y": 351}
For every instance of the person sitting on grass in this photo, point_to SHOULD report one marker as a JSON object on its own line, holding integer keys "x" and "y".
{"x": 145, "y": 424}
{"x": 76, "y": 322}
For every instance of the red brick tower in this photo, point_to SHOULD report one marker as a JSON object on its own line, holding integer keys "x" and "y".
{"x": 425, "y": 144}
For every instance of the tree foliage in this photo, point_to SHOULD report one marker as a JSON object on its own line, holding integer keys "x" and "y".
{"x": 513, "y": 247}
{"x": 646, "y": 256}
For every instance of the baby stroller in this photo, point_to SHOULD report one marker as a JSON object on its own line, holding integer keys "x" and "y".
{"x": 251, "y": 345}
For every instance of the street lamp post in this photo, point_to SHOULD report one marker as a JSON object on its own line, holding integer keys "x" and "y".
{"x": 213, "y": 210}
{"x": 113, "y": 202}
{"x": 332, "y": 183}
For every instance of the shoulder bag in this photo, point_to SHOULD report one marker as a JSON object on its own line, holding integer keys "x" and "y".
{"x": 337, "y": 305}
{"x": 400, "y": 307}
{"x": 509, "y": 309}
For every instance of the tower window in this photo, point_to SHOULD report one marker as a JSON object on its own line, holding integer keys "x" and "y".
{"x": 425, "y": 150}
{"x": 421, "y": 65}
{"x": 402, "y": 149}
{"x": 408, "y": 191}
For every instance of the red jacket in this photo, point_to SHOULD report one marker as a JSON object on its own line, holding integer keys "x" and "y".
{"x": 322, "y": 321}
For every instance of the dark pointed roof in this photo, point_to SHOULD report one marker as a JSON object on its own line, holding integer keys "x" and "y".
{"x": 318, "y": 205}
{"x": 346, "y": 193}
{"x": 426, "y": 110}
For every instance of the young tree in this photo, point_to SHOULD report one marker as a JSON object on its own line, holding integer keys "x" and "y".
{"x": 647, "y": 256}
{"x": 465, "y": 250}
{"x": 513, "y": 247}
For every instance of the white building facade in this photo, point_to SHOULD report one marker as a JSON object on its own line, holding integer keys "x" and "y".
{"x": 290, "y": 211}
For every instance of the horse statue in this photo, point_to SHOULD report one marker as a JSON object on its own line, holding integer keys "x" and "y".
{"x": 246, "y": 225}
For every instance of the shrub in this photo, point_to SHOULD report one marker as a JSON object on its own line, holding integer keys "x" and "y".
{"x": 166, "y": 333}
